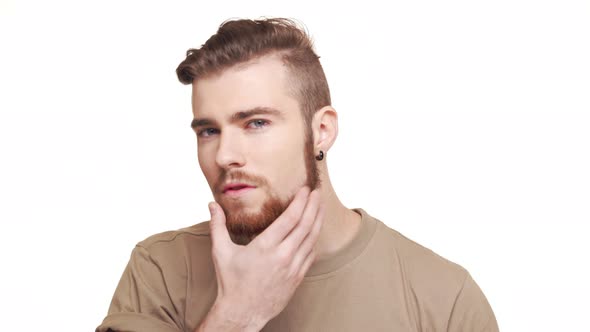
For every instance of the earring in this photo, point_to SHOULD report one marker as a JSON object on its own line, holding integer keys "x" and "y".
{"x": 320, "y": 156}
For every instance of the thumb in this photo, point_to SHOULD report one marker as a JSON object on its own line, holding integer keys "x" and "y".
{"x": 219, "y": 234}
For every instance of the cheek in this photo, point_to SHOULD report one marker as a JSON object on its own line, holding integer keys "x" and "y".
{"x": 208, "y": 168}
{"x": 283, "y": 164}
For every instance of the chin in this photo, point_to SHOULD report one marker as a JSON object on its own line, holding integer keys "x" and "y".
{"x": 240, "y": 205}
{"x": 245, "y": 222}
{"x": 242, "y": 211}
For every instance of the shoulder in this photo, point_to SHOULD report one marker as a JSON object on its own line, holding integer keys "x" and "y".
{"x": 429, "y": 277}
{"x": 198, "y": 230}
{"x": 194, "y": 239}
{"x": 438, "y": 286}
{"x": 418, "y": 260}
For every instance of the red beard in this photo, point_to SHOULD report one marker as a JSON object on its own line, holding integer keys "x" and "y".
{"x": 244, "y": 227}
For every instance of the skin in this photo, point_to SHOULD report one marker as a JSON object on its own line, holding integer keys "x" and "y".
{"x": 263, "y": 147}
{"x": 257, "y": 280}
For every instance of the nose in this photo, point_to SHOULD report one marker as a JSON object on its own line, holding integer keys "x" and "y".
{"x": 230, "y": 152}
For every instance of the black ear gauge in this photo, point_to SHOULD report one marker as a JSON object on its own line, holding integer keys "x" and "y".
{"x": 320, "y": 156}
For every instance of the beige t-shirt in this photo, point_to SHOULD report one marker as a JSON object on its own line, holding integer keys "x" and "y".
{"x": 381, "y": 281}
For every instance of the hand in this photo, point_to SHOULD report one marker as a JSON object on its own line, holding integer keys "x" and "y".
{"x": 255, "y": 282}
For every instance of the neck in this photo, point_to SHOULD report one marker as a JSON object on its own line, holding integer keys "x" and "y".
{"x": 341, "y": 224}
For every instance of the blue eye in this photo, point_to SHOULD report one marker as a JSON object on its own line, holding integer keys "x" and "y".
{"x": 207, "y": 132}
{"x": 258, "y": 123}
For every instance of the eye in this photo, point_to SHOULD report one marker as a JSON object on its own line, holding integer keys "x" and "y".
{"x": 206, "y": 132}
{"x": 258, "y": 123}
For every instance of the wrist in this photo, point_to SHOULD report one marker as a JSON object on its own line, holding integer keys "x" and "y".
{"x": 224, "y": 317}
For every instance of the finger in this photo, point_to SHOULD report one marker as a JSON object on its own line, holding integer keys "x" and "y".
{"x": 295, "y": 238}
{"x": 309, "y": 242}
{"x": 220, "y": 238}
{"x": 278, "y": 230}
{"x": 307, "y": 263}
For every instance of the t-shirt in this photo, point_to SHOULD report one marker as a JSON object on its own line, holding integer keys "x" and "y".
{"x": 380, "y": 281}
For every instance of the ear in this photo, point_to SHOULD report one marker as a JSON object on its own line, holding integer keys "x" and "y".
{"x": 325, "y": 128}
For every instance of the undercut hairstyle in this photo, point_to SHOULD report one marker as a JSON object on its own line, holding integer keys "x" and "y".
{"x": 240, "y": 41}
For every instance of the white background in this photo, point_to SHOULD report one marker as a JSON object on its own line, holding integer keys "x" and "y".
{"x": 463, "y": 124}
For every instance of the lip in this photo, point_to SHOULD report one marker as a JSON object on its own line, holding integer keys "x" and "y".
{"x": 237, "y": 188}
{"x": 238, "y": 192}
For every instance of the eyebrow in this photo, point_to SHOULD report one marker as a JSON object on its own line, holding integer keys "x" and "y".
{"x": 241, "y": 115}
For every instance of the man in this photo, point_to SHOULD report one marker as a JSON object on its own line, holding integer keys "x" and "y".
{"x": 281, "y": 252}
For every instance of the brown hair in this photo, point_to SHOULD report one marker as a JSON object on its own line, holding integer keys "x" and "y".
{"x": 239, "y": 41}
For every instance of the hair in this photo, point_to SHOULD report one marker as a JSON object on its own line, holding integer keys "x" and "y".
{"x": 239, "y": 41}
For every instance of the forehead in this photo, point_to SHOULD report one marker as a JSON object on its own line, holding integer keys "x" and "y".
{"x": 259, "y": 83}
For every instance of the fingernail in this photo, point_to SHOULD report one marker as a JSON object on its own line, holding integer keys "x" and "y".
{"x": 211, "y": 208}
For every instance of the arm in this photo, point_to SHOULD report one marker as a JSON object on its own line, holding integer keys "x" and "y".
{"x": 255, "y": 282}
{"x": 141, "y": 301}
{"x": 472, "y": 311}
{"x": 219, "y": 319}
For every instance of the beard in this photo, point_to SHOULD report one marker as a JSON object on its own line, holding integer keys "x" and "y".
{"x": 244, "y": 227}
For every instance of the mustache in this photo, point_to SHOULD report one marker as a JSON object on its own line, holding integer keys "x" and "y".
{"x": 238, "y": 176}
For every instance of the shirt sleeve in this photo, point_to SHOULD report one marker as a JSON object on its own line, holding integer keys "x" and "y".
{"x": 472, "y": 312}
{"x": 141, "y": 302}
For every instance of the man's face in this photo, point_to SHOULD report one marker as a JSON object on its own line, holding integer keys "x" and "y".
{"x": 252, "y": 144}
